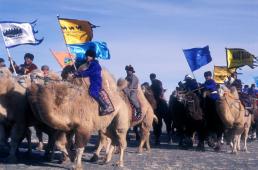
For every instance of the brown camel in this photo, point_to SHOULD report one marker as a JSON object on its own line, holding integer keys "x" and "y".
{"x": 15, "y": 112}
{"x": 68, "y": 107}
{"x": 145, "y": 123}
{"x": 234, "y": 116}
{"x": 14, "y": 109}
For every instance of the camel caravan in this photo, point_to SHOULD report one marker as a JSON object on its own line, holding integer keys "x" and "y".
{"x": 68, "y": 109}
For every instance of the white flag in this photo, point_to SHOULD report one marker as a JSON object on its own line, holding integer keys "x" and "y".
{"x": 15, "y": 33}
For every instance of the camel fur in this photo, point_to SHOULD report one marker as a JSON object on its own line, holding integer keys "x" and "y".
{"x": 145, "y": 123}
{"x": 233, "y": 115}
{"x": 68, "y": 107}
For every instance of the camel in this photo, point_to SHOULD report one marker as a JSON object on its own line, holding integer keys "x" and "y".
{"x": 145, "y": 123}
{"x": 14, "y": 109}
{"x": 234, "y": 116}
{"x": 15, "y": 112}
{"x": 68, "y": 107}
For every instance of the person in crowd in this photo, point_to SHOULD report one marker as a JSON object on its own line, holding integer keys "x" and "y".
{"x": 131, "y": 91}
{"x": 28, "y": 65}
{"x": 156, "y": 86}
{"x": 190, "y": 83}
{"x": 94, "y": 73}
{"x": 252, "y": 91}
{"x": 245, "y": 89}
{"x": 234, "y": 81}
{"x": 2, "y": 64}
{"x": 45, "y": 70}
{"x": 210, "y": 86}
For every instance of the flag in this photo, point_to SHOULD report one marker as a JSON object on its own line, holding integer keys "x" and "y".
{"x": 76, "y": 31}
{"x": 18, "y": 33}
{"x": 221, "y": 73}
{"x": 197, "y": 57}
{"x": 256, "y": 81}
{"x": 63, "y": 58}
{"x": 237, "y": 57}
{"x": 100, "y": 48}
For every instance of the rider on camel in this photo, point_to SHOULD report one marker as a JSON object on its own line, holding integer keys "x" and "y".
{"x": 94, "y": 73}
{"x": 131, "y": 91}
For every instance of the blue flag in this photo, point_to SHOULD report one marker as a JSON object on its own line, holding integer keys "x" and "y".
{"x": 256, "y": 81}
{"x": 79, "y": 50}
{"x": 197, "y": 57}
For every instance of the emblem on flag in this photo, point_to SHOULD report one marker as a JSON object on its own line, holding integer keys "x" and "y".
{"x": 19, "y": 33}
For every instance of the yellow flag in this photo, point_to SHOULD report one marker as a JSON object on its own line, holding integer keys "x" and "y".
{"x": 237, "y": 57}
{"x": 221, "y": 73}
{"x": 76, "y": 31}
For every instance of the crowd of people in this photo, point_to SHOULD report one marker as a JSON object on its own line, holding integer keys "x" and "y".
{"x": 27, "y": 67}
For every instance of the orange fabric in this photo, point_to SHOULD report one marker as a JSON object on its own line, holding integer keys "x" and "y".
{"x": 63, "y": 58}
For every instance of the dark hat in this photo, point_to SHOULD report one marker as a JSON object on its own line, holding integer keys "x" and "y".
{"x": 29, "y": 55}
{"x": 152, "y": 75}
{"x": 129, "y": 68}
{"x": 44, "y": 67}
{"x": 207, "y": 73}
{"x": 1, "y": 60}
{"x": 91, "y": 53}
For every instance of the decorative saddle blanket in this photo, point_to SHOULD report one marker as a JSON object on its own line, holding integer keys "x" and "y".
{"x": 103, "y": 94}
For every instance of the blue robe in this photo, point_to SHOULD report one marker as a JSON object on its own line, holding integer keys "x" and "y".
{"x": 94, "y": 74}
{"x": 211, "y": 86}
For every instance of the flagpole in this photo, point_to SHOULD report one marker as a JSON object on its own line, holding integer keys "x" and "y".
{"x": 66, "y": 42}
{"x": 9, "y": 55}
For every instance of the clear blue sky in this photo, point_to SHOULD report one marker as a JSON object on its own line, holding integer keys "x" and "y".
{"x": 148, "y": 34}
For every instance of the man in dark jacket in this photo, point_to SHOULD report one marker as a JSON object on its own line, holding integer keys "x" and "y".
{"x": 234, "y": 81}
{"x": 131, "y": 91}
{"x": 2, "y": 64}
{"x": 156, "y": 86}
{"x": 94, "y": 73}
{"x": 28, "y": 65}
{"x": 190, "y": 83}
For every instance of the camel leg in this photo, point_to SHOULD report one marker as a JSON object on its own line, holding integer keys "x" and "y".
{"x": 81, "y": 138}
{"x": 60, "y": 143}
{"x": 108, "y": 145}
{"x": 148, "y": 143}
{"x": 78, "y": 158}
{"x": 17, "y": 133}
{"x": 142, "y": 142}
{"x": 245, "y": 135}
{"x": 2, "y": 136}
{"x": 238, "y": 143}
{"x": 122, "y": 146}
{"x": 39, "y": 135}
{"x": 144, "y": 139}
{"x": 50, "y": 148}
{"x": 235, "y": 140}
{"x": 102, "y": 142}
{"x": 110, "y": 153}
{"x": 28, "y": 138}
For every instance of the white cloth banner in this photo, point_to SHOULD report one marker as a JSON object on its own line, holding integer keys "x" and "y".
{"x": 17, "y": 33}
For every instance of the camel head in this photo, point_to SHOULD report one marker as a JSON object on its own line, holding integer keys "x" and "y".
{"x": 7, "y": 82}
{"x": 223, "y": 90}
